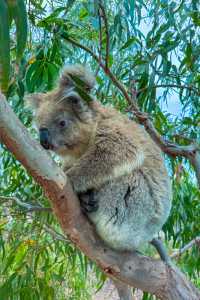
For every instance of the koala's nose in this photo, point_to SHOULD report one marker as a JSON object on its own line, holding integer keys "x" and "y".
{"x": 45, "y": 138}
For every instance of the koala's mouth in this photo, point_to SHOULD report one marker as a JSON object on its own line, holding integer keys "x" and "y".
{"x": 61, "y": 147}
{"x": 51, "y": 147}
{"x": 69, "y": 145}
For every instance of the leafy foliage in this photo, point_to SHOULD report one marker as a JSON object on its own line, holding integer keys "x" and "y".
{"x": 11, "y": 10}
{"x": 154, "y": 52}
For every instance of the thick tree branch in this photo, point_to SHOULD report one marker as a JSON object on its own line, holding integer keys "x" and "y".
{"x": 136, "y": 270}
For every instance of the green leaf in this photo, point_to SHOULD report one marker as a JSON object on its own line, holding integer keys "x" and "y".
{"x": 4, "y": 47}
{"x": 84, "y": 94}
{"x": 30, "y": 81}
{"x": 18, "y": 9}
{"x": 130, "y": 42}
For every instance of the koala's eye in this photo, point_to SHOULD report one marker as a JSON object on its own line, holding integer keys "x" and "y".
{"x": 62, "y": 123}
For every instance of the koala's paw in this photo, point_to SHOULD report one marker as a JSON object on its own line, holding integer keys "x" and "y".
{"x": 87, "y": 201}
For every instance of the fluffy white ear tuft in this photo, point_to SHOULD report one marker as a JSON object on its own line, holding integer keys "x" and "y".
{"x": 33, "y": 101}
{"x": 79, "y": 72}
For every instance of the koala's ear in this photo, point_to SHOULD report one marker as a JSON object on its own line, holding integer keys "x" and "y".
{"x": 77, "y": 103}
{"x": 73, "y": 75}
{"x": 33, "y": 101}
{"x": 65, "y": 81}
{"x": 79, "y": 106}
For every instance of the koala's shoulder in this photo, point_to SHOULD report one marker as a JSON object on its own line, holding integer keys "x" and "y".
{"x": 112, "y": 121}
{"x": 114, "y": 128}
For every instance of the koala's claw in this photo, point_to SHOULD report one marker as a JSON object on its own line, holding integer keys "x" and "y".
{"x": 87, "y": 201}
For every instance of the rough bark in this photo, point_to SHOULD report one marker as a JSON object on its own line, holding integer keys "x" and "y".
{"x": 136, "y": 270}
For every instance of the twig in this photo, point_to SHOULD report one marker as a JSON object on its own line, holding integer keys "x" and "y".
{"x": 28, "y": 206}
{"x": 133, "y": 91}
{"x": 178, "y": 253}
{"x": 180, "y": 136}
{"x": 77, "y": 44}
{"x": 104, "y": 17}
{"x": 100, "y": 35}
{"x": 179, "y": 86}
{"x": 56, "y": 235}
{"x": 100, "y": 42}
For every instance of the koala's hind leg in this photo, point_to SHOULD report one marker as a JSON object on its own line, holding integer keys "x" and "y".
{"x": 88, "y": 202}
{"x": 158, "y": 244}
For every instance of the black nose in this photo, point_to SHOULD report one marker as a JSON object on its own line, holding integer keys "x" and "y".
{"x": 45, "y": 138}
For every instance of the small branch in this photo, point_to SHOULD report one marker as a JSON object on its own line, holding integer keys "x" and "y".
{"x": 56, "y": 235}
{"x": 179, "y": 136}
{"x": 100, "y": 35}
{"x": 133, "y": 91}
{"x": 39, "y": 209}
{"x": 178, "y": 253}
{"x": 85, "y": 48}
{"x": 179, "y": 86}
{"x": 28, "y": 206}
{"x": 100, "y": 43}
{"x": 104, "y": 17}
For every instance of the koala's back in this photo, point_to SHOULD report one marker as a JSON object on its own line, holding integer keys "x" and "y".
{"x": 132, "y": 206}
{"x": 128, "y": 214}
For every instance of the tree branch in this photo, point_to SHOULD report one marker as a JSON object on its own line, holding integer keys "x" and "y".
{"x": 56, "y": 235}
{"x": 104, "y": 17}
{"x": 100, "y": 43}
{"x": 178, "y": 86}
{"x": 30, "y": 208}
{"x": 27, "y": 206}
{"x": 143, "y": 272}
{"x": 178, "y": 253}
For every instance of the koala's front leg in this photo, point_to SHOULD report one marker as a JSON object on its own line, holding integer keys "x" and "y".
{"x": 91, "y": 171}
{"x": 88, "y": 202}
{"x": 106, "y": 160}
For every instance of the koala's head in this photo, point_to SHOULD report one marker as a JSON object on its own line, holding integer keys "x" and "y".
{"x": 64, "y": 119}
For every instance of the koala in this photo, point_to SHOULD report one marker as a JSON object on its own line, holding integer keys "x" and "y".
{"x": 114, "y": 166}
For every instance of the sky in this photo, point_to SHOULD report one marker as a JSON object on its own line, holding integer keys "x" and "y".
{"x": 173, "y": 105}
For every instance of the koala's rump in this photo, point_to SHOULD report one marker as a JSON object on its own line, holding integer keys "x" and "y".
{"x": 128, "y": 214}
